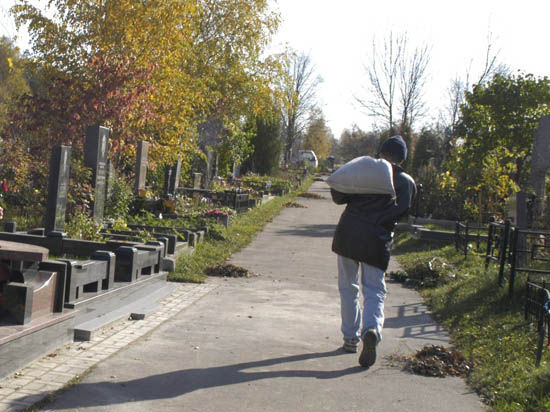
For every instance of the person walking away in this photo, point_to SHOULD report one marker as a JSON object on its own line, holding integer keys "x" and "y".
{"x": 363, "y": 240}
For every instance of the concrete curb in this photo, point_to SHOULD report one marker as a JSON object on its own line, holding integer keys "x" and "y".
{"x": 51, "y": 373}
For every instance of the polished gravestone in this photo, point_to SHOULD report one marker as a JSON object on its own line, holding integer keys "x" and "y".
{"x": 540, "y": 163}
{"x": 29, "y": 292}
{"x": 58, "y": 186}
{"x": 32, "y": 298}
{"x": 171, "y": 178}
{"x": 141, "y": 166}
{"x": 95, "y": 157}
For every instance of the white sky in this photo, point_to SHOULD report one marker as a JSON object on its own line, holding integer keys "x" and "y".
{"x": 338, "y": 35}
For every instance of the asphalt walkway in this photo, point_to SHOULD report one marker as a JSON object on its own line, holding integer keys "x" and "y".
{"x": 271, "y": 342}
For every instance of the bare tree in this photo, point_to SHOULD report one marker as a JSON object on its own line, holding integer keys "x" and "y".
{"x": 491, "y": 65}
{"x": 456, "y": 94}
{"x": 461, "y": 85}
{"x": 383, "y": 77}
{"x": 413, "y": 77}
{"x": 396, "y": 82}
{"x": 299, "y": 93}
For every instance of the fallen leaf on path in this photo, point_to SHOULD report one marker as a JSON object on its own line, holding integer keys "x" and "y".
{"x": 309, "y": 195}
{"x": 296, "y": 205}
{"x": 229, "y": 270}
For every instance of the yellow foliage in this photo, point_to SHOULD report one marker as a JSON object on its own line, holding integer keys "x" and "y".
{"x": 318, "y": 137}
{"x": 207, "y": 55}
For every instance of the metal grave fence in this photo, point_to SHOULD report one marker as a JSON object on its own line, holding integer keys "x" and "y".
{"x": 537, "y": 308}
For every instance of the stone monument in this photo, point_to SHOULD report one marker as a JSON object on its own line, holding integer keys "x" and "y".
{"x": 236, "y": 171}
{"x": 172, "y": 178}
{"x": 58, "y": 187}
{"x": 95, "y": 157}
{"x": 141, "y": 166}
{"x": 197, "y": 179}
{"x": 540, "y": 163}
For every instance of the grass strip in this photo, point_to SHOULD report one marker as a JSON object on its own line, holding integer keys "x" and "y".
{"x": 226, "y": 241}
{"x": 486, "y": 326}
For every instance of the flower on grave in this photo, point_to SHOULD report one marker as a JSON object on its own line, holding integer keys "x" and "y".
{"x": 216, "y": 212}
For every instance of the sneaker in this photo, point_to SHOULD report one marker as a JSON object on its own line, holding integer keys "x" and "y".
{"x": 351, "y": 345}
{"x": 368, "y": 354}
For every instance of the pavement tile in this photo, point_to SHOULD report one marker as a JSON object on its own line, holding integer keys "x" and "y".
{"x": 58, "y": 378}
{"x": 33, "y": 386}
{"x": 33, "y": 372}
{"x": 6, "y": 391}
{"x": 11, "y": 407}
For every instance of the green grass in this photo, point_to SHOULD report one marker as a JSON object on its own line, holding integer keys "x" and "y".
{"x": 486, "y": 326}
{"x": 216, "y": 249}
{"x": 439, "y": 228}
{"x": 433, "y": 226}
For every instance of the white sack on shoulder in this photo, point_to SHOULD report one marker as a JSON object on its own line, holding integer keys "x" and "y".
{"x": 363, "y": 175}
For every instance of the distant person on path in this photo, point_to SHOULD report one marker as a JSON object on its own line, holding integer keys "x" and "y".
{"x": 363, "y": 240}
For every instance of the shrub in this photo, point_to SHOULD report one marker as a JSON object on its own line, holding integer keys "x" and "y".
{"x": 82, "y": 226}
{"x": 119, "y": 199}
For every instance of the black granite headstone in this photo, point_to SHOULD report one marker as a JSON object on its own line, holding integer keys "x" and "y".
{"x": 141, "y": 165}
{"x": 58, "y": 186}
{"x": 236, "y": 170}
{"x": 95, "y": 157}
{"x": 172, "y": 178}
{"x": 175, "y": 181}
{"x": 10, "y": 226}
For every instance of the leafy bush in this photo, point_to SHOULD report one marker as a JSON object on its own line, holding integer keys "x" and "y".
{"x": 120, "y": 198}
{"x": 82, "y": 226}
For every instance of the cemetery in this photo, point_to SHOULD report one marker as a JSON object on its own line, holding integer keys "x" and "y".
{"x": 56, "y": 289}
{"x": 154, "y": 152}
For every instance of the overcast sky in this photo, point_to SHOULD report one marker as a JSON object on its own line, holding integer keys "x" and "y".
{"x": 338, "y": 35}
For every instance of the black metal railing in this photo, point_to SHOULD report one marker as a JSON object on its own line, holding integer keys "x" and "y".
{"x": 461, "y": 237}
{"x": 498, "y": 240}
{"x": 537, "y": 308}
{"x": 529, "y": 253}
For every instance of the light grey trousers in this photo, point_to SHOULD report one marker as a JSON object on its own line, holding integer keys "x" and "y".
{"x": 351, "y": 274}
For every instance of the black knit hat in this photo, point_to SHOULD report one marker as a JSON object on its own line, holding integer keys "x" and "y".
{"x": 395, "y": 147}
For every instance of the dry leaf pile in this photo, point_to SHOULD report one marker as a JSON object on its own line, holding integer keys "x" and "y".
{"x": 438, "y": 361}
{"x": 229, "y": 270}
{"x": 296, "y": 205}
{"x": 310, "y": 195}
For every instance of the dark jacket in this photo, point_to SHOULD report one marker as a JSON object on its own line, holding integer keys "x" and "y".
{"x": 365, "y": 230}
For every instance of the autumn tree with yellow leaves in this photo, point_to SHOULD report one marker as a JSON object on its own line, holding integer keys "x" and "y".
{"x": 318, "y": 136}
{"x": 177, "y": 63}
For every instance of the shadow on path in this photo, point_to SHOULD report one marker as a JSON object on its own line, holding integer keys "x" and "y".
{"x": 177, "y": 383}
{"x": 309, "y": 231}
{"x": 416, "y": 323}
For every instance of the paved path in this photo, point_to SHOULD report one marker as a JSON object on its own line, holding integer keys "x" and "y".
{"x": 268, "y": 343}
